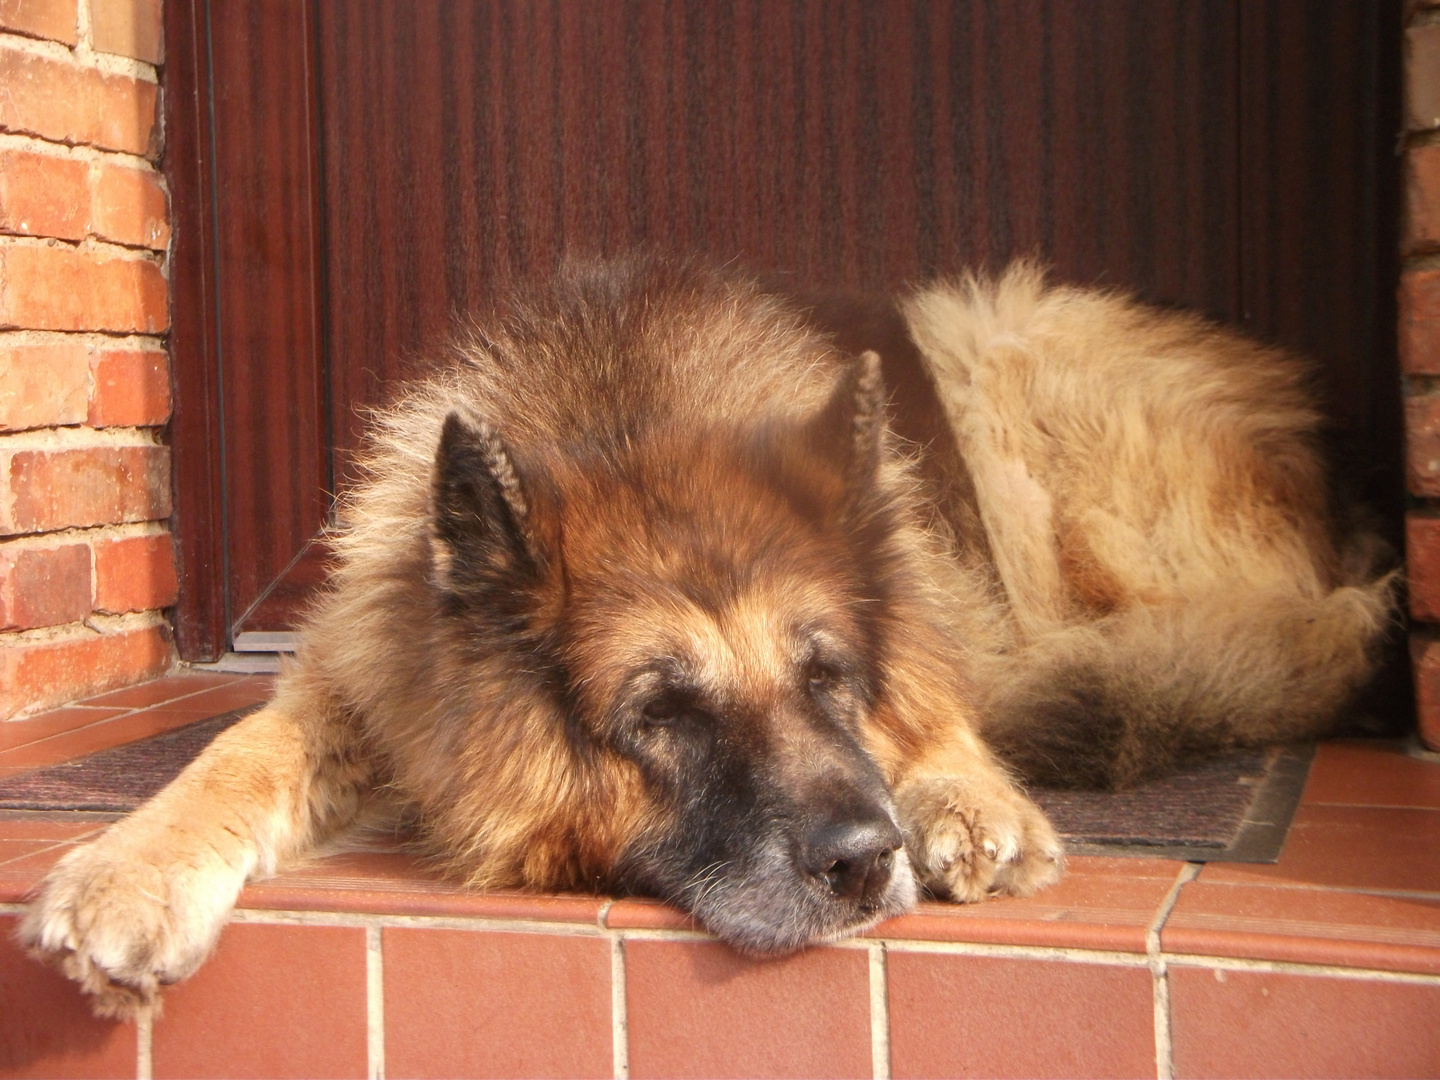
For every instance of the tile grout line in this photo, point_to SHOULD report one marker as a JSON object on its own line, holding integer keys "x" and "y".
{"x": 619, "y": 1009}
{"x": 1159, "y": 973}
{"x": 79, "y": 838}
{"x": 879, "y": 1012}
{"x": 1048, "y": 953}
{"x": 1164, "y": 1048}
{"x": 502, "y": 924}
{"x": 145, "y": 1043}
{"x": 374, "y": 1004}
{"x": 123, "y": 714}
{"x": 487, "y": 923}
{"x": 1291, "y": 967}
{"x": 604, "y": 913}
{"x": 79, "y": 727}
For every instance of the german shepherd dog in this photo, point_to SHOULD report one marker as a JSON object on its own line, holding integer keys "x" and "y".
{"x": 643, "y": 592}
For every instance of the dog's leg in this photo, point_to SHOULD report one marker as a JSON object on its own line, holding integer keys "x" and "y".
{"x": 143, "y": 905}
{"x": 969, "y": 830}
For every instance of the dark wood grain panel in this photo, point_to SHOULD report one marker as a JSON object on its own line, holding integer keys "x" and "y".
{"x": 1318, "y": 219}
{"x": 844, "y": 143}
{"x": 195, "y": 423}
{"x": 1144, "y": 149}
{"x": 271, "y": 371}
{"x": 1320, "y": 255}
{"x": 406, "y": 162}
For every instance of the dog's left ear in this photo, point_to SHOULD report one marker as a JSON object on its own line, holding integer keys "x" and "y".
{"x": 850, "y": 429}
{"x": 484, "y": 520}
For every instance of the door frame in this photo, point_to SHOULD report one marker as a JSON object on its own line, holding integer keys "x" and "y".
{"x": 204, "y": 617}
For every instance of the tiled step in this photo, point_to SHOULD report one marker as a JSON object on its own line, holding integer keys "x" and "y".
{"x": 1327, "y": 963}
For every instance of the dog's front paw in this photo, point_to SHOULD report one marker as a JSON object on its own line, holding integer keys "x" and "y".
{"x": 123, "y": 921}
{"x": 968, "y": 840}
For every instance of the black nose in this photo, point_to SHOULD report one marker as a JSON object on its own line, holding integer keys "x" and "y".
{"x": 853, "y": 858}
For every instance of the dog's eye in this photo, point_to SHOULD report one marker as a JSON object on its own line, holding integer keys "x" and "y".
{"x": 663, "y": 711}
{"x": 820, "y": 675}
{"x": 658, "y": 712}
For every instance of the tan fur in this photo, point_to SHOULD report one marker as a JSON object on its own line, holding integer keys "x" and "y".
{"x": 143, "y": 906}
{"x": 1146, "y": 482}
{"x": 1151, "y": 486}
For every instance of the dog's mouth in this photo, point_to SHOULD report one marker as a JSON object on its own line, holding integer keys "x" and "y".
{"x": 774, "y": 902}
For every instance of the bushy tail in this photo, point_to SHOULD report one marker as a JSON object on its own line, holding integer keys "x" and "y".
{"x": 1111, "y": 702}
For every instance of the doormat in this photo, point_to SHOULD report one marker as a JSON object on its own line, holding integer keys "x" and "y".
{"x": 115, "y": 780}
{"x": 1235, "y": 808}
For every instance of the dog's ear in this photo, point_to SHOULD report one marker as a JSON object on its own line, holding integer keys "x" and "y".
{"x": 851, "y": 428}
{"x": 484, "y": 523}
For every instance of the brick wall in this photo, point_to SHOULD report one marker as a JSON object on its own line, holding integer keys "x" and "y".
{"x": 1420, "y": 352}
{"x": 86, "y": 560}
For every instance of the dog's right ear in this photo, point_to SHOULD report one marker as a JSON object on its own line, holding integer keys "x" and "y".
{"x": 850, "y": 429}
{"x": 483, "y": 521}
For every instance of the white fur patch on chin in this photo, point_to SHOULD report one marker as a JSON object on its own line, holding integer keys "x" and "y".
{"x": 744, "y": 915}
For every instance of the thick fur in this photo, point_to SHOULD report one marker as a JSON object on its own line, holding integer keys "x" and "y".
{"x": 642, "y": 592}
{"x": 1159, "y": 517}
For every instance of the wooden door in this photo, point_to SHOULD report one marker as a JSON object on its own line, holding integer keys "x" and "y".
{"x": 350, "y": 177}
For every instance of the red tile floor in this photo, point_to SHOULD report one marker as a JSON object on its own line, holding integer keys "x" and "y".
{"x": 1326, "y": 964}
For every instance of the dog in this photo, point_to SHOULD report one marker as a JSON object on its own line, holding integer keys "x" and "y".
{"x": 644, "y": 591}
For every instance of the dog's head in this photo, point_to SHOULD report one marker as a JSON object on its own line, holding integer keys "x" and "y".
{"x": 710, "y": 611}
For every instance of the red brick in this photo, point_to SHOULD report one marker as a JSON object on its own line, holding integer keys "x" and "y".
{"x": 1422, "y": 198}
{"x": 58, "y": 287}
{"x": 39, "y": 674}
{"x": 1419, "y": 302}
{"x": 43, "y": 385}
{"x": 43, "y": 586}
{"x": 135, "y": 573}
{"x": 1422, "y": 564}
{"x": 1422, "y": 77}
{"x": 51, "y": 196}
{"x": 61, "y": 101}
{"x": 43, "y": 195}
{"x": 130, "y": 388}
{"x": 53, "y": 19}
{"x": 128, "y": 27}
{"x": 1422, "y": 444}
{"x": 1425, "y": 660}
{"x": 129, "y": 206}
{"x": 98, "y": 485}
